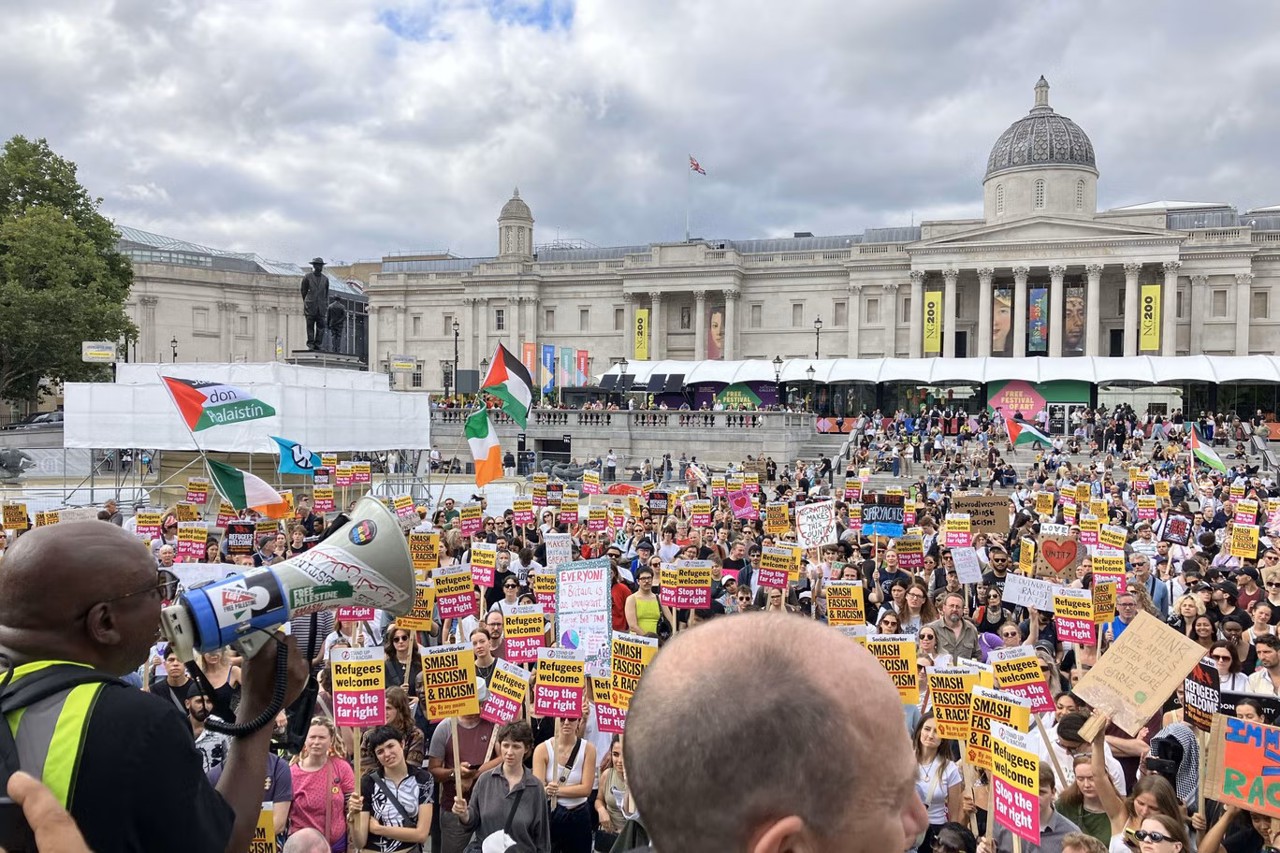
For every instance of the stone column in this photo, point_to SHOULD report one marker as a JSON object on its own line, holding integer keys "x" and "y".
{"x": 1057, "y": 298}
{"x": 1093, "y": 310}
{"x": 949, "y": 312}
{"x": 1244, "y": 295}
{"x": 482, "y": 306}
{"x": 699, "y": 331}
{"x": 854, "y": 347}
{"x": 629, "y": 326}
{"x": 226, "y": 316}
{"x": 372, "y": 334}
{"x": 1169, "y": 313}
{"x": 1131, "y": 271}
{"x": 985, "y": 275}
{"x": 400, "y": 331}
{"x": 1020, "y": 311}
{"x": 147, "y": 328}
{"x": 1199, "y": 305}
{"x": 889, "y": 319}
{"x": 659, "y": 332}
{"x": 915, "y": 322}
{"x": 515, "y": 302}
{"x": 731, "y": 324}
{"x": 259, "y": 332}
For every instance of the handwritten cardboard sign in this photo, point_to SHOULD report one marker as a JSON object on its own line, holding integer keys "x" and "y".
{"x": 1057, "y": 557}
{"x": 1243, "y": 766}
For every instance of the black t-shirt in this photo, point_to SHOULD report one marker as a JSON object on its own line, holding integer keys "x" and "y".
{"x": 990, "y": 579}
{"x": 141, "y": 785}
{"x": 173, "y": 695}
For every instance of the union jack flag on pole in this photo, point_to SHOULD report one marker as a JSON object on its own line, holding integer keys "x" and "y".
{"x": 694, "y": 166}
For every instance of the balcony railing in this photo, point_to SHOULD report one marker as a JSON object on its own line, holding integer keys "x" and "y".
{"x": 646, "y": 419}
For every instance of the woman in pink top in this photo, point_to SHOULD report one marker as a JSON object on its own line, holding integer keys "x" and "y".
{"x": 322, "y": 784}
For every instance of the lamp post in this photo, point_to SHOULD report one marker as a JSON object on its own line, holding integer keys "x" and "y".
{"x": 817, "y": 337}
{"x": 777, "y": 378}
{"x": 622, "y": 371}
{"x": 813, "y": 388}
{"x": 173, "y": 345}
{"x": 456, "y": 329}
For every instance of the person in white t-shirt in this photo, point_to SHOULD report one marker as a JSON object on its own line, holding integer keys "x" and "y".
{"x": 938, "y": 782}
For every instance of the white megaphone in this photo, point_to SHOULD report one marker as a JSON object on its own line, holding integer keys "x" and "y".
{"x": 365, "y": 562}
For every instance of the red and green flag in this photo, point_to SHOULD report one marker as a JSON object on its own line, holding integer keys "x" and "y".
{"x": 1205, "y": 453}
{"x": 509, "y": 381}
{"x": 1021, "y": 432}
{"x": 210, "y": 404}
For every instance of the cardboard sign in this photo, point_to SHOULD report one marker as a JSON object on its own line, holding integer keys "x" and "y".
{"x": 584, "y": 612}
{"x": 845, "y": 603}
{"x": 524, "y": 629}
{"x": 1029, "y": 592}
{"x": 987, "y": 707}
{"x": 1015, "y": 782}
{"x": 949, "y": 688}
{"x": 239, "y": 537}
{"x": 1243, "y": 765}
{"x": 455, "y": 592}
{"x": 1244, "y": 541}
{"x": 988, "y": 514}
{"x": 1057, "y": 557}
{"x": 630, "y": 657}
{"x": 192, "y": 538}
{"x": 507, "y": 687}
{"x": 1073, "y": 615}
{"x": 816, "y": 524}
{"x": 968, "y": 570}
{"x": 1139, "y": 672}
{"x": 197, "y": 491}
{"x": 449, "y": 681}
{"x": 559, "y": 683}
{"x": 402, "y": 506}
{"x": 897, "y": 654}
{"x": 1201, "y": 692}
{"x": 1017, "y": 672}
{"x": 419, "y": 618}
{"x": 884, "y": 515}
{"x": 359, "y": 680}
{"x": 543, "y": 585}
{"x": 424, "y": 550}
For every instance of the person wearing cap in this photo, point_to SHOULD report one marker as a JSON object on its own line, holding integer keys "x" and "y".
{"x": 1224, "y": 602}
{"x": 1249, "y": 586}
{"x": 644, "y": 551}
{"x": 619, "y": 591}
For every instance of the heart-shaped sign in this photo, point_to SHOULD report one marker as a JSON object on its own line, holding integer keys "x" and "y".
{"x": 1058, "y": 556}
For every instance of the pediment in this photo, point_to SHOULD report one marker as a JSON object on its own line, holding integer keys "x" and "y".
{"x": 1044, "y": 229}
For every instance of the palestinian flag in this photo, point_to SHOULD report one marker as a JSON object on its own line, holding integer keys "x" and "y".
{"x": 1205, "y": 453}
{"x": 209, "y": 404}
{"x": 245, "y": 491}
{"x": 1021, "y": 432}
{"x": 483, "y": 440}
{"x": 509, "y": 381}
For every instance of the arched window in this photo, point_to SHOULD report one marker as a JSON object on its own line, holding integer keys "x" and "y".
{"x": 999, "y": 199}
{"x": 1040, "y": 194}
{"x": 1080, "y": 194}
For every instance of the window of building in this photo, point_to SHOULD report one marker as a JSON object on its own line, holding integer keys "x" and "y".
{"x": 1080, "y": 195}
{"x": 200, "y": 319}
{"x": 619, "y": 319}
{"x": 906, "y": 306}
{"x": 1039, "y": 193}
{"x": 499, "y": 319}
{"x": 757, "y": 315}
{"x": 873, "y": 309}
{"x": 840, "y": 313}
{"x": 242, "y": 325}
{"x": 797, "y": 313}
{"x": 448, "y": 325}
{"x": 415, "y": 324}
{"x": 584, "y": 319}
{"x": 415, "y": 380}
{"x": 1179, "y": 309}
{"x": 549, "y": 320}
{"x": 686, "y": 318}
{"x": 1219, "y": 303}
{"x": 1260, "y": 305}
{"x": 999, "y": 199}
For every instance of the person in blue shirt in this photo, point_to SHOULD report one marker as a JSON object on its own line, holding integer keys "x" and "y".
{"x": 1126, "y": 612}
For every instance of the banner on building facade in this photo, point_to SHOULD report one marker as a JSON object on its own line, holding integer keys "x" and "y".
{"x": 1038, "y": 320}
{"x": 1002, "y": 322}
{"x": 1149, "y": 319}
{"x": 529, "y": 357}
{"x": 640, "y": 331}
{"x": 583, "y": 367}
{"x": 715, "y": 331}
{"x": 568, "y": 371}
{"x": 547, "y": 377}
{"x": 1073, "y": 320}
{"x": 932, "y": 322}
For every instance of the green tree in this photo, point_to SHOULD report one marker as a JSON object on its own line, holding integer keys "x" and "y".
{"x": 62, "y": 281}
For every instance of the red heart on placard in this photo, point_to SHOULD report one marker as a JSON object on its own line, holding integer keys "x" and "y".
{"x": 1060, "y": 554}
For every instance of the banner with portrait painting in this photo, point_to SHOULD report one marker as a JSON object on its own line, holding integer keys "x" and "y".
{"x": 715, "y": 331}
{"x": 1002, "y": 321}
{"x": 1073, "y": 320}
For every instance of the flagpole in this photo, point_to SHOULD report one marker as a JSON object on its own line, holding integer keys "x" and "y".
{"x": 687, "y": 191}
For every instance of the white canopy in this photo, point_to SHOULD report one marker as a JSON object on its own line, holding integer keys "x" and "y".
{"x": 1136, "y": 370}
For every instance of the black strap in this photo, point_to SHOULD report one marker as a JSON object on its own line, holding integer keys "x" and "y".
{"x": 573, "y": 756}
{"x": 511, "y": 815}
{"x": 409, "y": 820}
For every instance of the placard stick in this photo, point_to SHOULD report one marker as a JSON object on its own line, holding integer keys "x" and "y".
{"x": 457, "y": 760}
{"x": 969, "y": 776}
{"x": 1017, "y": 844}
{"x": 355, "y": 759}
{"x": 1203, "y": 738}
{"x": 493, "y": 745}
{"x": 1053, "y": 756}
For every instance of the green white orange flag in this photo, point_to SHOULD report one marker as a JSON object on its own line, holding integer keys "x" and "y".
{"x": 209, "y": 404}
{"x": 483, "y": 440}
{"x": 509, "y": 381}
{"x": 245, "y": 491}
{"x": 1021, "y": 432}
{"x": 1205, "y": 453}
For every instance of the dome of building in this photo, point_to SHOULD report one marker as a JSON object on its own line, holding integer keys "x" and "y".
{"x": 515, "y": 208}
{"x": 1041, "y": 138}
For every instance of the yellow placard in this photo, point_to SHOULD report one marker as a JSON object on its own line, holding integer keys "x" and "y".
{"x": 449, "y": 680}
{"x": 1027, "y": 557}
{"x": 542, "y": 584}
{"x": 897, "y": 654}
{"x": 1104, "y": 600}
{"x": 424, "y": 602}
{"x": 640, "y": 336}
{"x": 264, "y": 833}
{"x": 988, "y": 705}
{"x": 329, "y": 460}
{"x": 424, "y": 550}
{"x": 1083, "y": 493}
{"x": 186, "y": 512}
{"x": 1044, "y": 503}
{"x": 15, "y": 516}
{"x": 1112, "y": 536}
{"x": 484, "y": 556}
{"x": 630, "y": 655}
{"x": 777, "y": 518}
{"x": 1244, "y": 541}
{"x": 949, "y": 689}
{"x": 845, "y": 603}
{"x": 1162, "y": 489}
{"x": 44, "y": 519}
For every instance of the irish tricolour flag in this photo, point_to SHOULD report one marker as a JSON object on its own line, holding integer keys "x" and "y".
{"x": 1205, "y": 453}
{"x": 509, "y": 381}
{"x": 1021, "y": 432}
{"x": 483, "y": 440}
{"x": 210, "y": 404}
{"x": 245, "y": 491}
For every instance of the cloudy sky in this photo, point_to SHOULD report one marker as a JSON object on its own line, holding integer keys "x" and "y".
{"x": 351, "y": 128}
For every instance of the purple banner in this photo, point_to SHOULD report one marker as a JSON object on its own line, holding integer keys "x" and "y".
{"x": 1038, "y": 321}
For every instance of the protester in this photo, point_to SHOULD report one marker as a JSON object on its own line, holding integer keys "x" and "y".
{"x": 322, "y": 785}
{"x": 392, "y": 812}
{"x": 211, "y": 745}
{"x": 508, "y": 800}
{"x": 642, "y": 608}
{"x": 938, "y": 784}
{"x": 1054, "y": 828}
{"x": 473, "y": 735}
{"x": 566, "y": 766}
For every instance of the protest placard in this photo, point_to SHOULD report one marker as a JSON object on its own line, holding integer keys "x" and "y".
{"x": 559, "y": 548}
{"x": 403, "y": 507}
{"x": 239, "y": 538}
{"x": 543, "y": 585}
{"x": 742, "y": 504}
{"x": 845, "y": 604}
{"x": 1112, "y": 536}
{"x": 359, "y": 682}
{"x": 956, "y": 530}
{"x": 1244, "y": 541}
{"x": 949, "y": 688}
{"x": 524, "y": 629}
{"x": 146, "y": 524}
{"x": 1029, "y": 592}
{"x": 322, "y": 499}
{"x": 361, "y": 473}
{"x": 816, "y": 524}
{"x": 909, "y": 515}
{"x": 449, "y": 681}
{"x": 1200, "y": 691}
{"x": 342, "y": 475}
{"x": 1243, "y": 765}
{"x": 1017, "y": 671}
{"x": 522, "y": 511}
{"x": 630, "y": 657}
{"x": 775, "y": 567}
{"x": 559, "y": 683}
{"x": 192, "y": 538}
{"x": 584, "y": 615}
{"x": 1073, "y": 615}
{"x": 322, "y": 477}
{"x": 883, "y": 515}
{"x": 1246, "y": 512}
{"x": 777, "y": 518}
{"x": 484, "y": 562}
{"x": 988, "y": 514}
{"x": 424, "y": 550}
{"x": 569, "y": 508}
{"x": 1104, "y": 600}
{"x": 1139, "y": 672}
{"x": 1026, "y": 556}
{"x": 1057, "y": 557}
{"x": 419, "y": 617}
{"x": 597, "y": 518}
{"x": 329, "y": 460}
{"x": 992, "y": 706}
{"x": 968, "y": 570}
{"x": 186, "y": 511}
{"x": 694, "y": 584}
{"x": 47, "y": 517}
{"x": 1147, "y": 506}
{"x": 455, "y": 593}
{"x": 1269, "y": 706}
{"x": 1089, "y": 526}
{"x": 264, "y": 833}
{"x": 504, "y": 701}
{"x": 591, "y": 482}
{"x": 897, "y": 654}
{"x": 197, "y": 490}
{"x": 700, "y": 513}
{"x": 1015, "y": 782}
{"x": 1177, "y": 528}
{"x": 910, "y": 553}
{"x": 470, "y": 519}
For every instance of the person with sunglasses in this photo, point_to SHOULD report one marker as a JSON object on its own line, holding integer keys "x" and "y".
{"x": 510, "y": 596}
{"x": 1230, "y": 678}
{"x": 403, "y": 661}
{"x": 1162, "y": 834}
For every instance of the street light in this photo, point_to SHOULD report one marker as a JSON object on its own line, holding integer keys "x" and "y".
{"x": 622, "y": 371}
{"x": 173, "y": 344}
{"x": 813, "y": 388}
{"x": 777, "y": 379}
{"x": 456, "y": 329}
{"x": 484, "y": 367}
{"x": 817, "y": 337}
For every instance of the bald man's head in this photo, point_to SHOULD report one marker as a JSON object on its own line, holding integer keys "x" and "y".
{"x": 53, "y": 583}
{"x": 823, "y": 728}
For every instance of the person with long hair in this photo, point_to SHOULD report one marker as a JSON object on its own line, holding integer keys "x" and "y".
{"x": 1185, "y": 611}
{"x": 938, "y": 781}
{"x": 614, "y": 805}
{"x": 1149, "y": 795}
{"x": 1230, "y": 678}
{"x": 1204, "y": 632}
{"x": 566, "y": 765}
{"x": 927, "y": 646}
{"x": 224, "y": 678}
{"x": 1161, "y": 833}
{"x": 918, "y": 610}
{"x": 403, "y": 662}
{"x": 400, "y": 717}
{"x": 1080, "y": 803}
{"x": 1234, "y": 829}
{"x": 322, "y": 785}
{"x": 392, "y": 812}
{"x": 897, "y": 603}
{"x": 992, "y": 615}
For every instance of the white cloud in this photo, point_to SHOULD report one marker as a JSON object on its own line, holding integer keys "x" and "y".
{"x": 353, "y": 127}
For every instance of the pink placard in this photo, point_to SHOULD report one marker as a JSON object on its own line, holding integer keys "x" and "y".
{"x": 693, "y": 598}
{"x": 1017, "y": 397}
{"x": 730, "y": 573}
{"x": 522, "y": 649}
{"x": 1016, "y": 810}
{"x": 1120, "y": 579}
{"x": 522, "y": 517}
{"x": 741, "y": 504}
{"x": 457, "y": 606}
{"x": 551, "y": 700}
{"x": 1075, "y": 630}
{"x": 360, "y": 708}
{"x": 354, "y": 614}
{"x": 610, "y": 720}
{"x": 959, "y": 539}
{"x": 499, "y": 709}
{"x": 482, "y": 575}
{"x": 772, "y": 578}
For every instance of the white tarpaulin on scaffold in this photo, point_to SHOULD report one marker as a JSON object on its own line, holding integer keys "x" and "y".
{"x": 323, "y": 409}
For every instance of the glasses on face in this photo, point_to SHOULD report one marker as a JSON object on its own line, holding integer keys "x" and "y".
{"x": 1010, "y": 634}
{"x": 1271, "y": 557}
{"x": 1226, "y": 658}
{"x": 165, "y": 588}
{"x": 1153, "y": 837}
{"x": 510, "y": 586}
{"x": 400, "y": 639}
{"x": 1273, "y": 584}
{"x": 645, "y": 577}
{"x": 1127, "y": 604}
{"x": 927, "y": 637}
{"x": 915, "y": 594}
